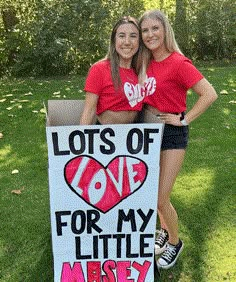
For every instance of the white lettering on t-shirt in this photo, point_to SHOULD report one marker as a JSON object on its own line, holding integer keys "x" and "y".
{"x": 136, "y": 93}
{"x": 150, "y": 85}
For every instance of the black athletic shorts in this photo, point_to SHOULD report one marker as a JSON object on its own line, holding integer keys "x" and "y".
{"x": 174, "y": 137}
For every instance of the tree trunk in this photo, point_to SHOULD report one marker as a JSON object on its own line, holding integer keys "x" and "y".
{"x": 161, "y": 4}
{"x": 180, "y": 26}
{"x": 9, "y": 18}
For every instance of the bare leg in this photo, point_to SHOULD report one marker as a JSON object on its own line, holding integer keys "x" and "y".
{"x": 170, "y": 165}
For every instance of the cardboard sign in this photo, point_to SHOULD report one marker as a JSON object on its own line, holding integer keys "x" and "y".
{"x": 103, "y": 182}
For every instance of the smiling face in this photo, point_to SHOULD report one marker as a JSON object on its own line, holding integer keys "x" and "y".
{"x": 126, "y": 43}
{"x": 153, "y": 34}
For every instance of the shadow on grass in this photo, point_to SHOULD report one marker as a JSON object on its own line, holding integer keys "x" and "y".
{"x": 45, "y": 263}
{"x": 206, "y": 210}
{"x": 200, "y": 217}
{"x": 200, "y": 222}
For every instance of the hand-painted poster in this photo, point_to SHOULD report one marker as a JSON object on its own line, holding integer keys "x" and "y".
{"x": 103, "y": 182}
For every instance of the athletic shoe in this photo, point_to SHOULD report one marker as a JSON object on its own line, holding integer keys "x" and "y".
{"x": 161, "y": 240}
{"x": 170, "y": 255}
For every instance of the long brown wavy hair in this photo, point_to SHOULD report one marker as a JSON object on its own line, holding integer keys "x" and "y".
{"x": 113, "y": 56}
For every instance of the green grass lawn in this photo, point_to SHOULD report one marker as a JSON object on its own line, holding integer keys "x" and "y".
{"x": 204, "y": 194}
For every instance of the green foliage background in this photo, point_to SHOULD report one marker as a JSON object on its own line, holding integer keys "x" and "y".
{"x": 57, "y": 37}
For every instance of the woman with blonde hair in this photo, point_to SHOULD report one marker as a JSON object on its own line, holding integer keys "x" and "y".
{"x": 174, "y": 74}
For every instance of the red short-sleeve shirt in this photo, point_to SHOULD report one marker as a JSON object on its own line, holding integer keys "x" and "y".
{"x": 174, "y": 76}
{"x": 128, "y": 97}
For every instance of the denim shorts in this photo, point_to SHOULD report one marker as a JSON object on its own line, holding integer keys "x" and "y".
{"x": 174, "y": 137}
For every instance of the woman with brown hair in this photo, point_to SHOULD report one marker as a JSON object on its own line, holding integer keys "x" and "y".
{"x": 113, "y": 95}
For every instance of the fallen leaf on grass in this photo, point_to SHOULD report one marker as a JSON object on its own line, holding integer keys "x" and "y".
{"x": 18, "y": 191}
{"x": 224, "y": 92}
{"x": 28, "y": 94}
{"x": 56, "y": 93}
{"x": 1, "y": 135}
{"x": 23, "y": 101}
{"x": 232, "y": 102}
{"x": 15, "y": 171}
{"x": 43, "y": 111}
{"x": 2, "y": 100}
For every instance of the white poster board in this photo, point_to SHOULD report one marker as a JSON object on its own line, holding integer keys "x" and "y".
{"x": 103, "y": 182}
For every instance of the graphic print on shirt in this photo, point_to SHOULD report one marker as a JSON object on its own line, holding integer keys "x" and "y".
{"x": 150, "y": 85}
{"x": 136, "y": 93}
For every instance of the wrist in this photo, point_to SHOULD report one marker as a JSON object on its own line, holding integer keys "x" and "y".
{"x": 183, "y": 121}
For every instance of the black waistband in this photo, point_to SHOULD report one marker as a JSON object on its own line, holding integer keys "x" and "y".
{"x": 182, "y": 114}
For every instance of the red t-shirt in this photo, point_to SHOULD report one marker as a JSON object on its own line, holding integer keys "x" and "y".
{"x": 174, "y": 76}
{"x": 128, "y": 97}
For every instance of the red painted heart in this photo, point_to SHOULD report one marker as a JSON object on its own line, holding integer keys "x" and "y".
{"x": 105, "y": 187}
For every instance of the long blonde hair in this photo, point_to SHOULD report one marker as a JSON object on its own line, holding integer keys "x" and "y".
{"x": 171, "y": 45}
